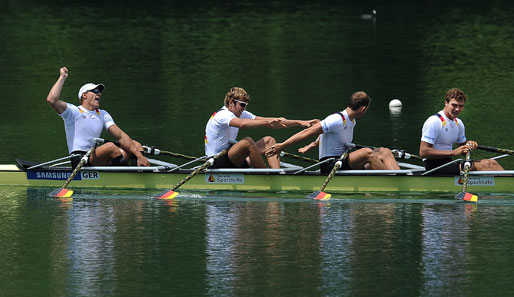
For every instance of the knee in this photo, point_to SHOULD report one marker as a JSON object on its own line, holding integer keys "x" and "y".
{"x": 248, "y": 142}
{"x": 247, "y": 145}
{"x": 491, "y": 164}
{"x": 384, "y": 152}
{"x": 269, "y": 141}
{"x": 110, "y": 146}
{"x": 369, "y": 153}
{"x": 111, "y": 149}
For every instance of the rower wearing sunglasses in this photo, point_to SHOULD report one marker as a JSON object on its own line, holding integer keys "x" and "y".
{"x": 223, "y": 126}
{"x": 85, "y": 122}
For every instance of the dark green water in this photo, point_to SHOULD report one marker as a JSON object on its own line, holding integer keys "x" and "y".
{"x": 123, "y": 244}
{"x": 167, "y": 66}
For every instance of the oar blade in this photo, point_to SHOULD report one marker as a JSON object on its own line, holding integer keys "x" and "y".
{"x": 61, "y": 193}
{"x": 319, "y": 195}
{"x": 168, "y": 194}
{"x": 467, "y": 197}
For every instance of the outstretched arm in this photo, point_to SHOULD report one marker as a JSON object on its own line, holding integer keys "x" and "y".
{"x": 53, "y": 97}
{"x": 257, "y": 122}
{"x": 314, "y": 130}
{"x": 291, "y": 123}
{"x": 128, "y": 144}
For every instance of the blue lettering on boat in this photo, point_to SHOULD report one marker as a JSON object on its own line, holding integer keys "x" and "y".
{"x": 51, "y": 175}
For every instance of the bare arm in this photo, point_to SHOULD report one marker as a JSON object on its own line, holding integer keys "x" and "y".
{"x": 314, "y": 130}
{"x": 291, "y": 123}
{"x": 427, "y": 151}
{"x": 310, "y": 146}
{"x": 128, "y": 144}
{"x": 255, "y": 123}
{"x": 53, "y": 97}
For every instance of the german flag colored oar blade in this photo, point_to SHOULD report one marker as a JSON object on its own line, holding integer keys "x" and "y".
{"x": 65, "y": 193}
{"x": 61, "y": 193}
{"x": 168, "y": 194}
{"x": 467, "y": 197}
{"x": 320, "y": 195}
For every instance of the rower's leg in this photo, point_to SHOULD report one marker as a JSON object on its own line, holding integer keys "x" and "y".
{"x": 263, "y": 144}
{"x": 487, "y": 165}
{"x": 104, "y": 154}
{"x": 387, "y": 158}
{"x": 359, "y": 158}
{"x": 246, "y": 147}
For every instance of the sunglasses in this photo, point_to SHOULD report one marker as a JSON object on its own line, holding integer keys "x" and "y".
{"x": 96, "y": 91}
{"x": 242, "y": 103}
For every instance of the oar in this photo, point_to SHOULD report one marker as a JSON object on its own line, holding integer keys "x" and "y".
{"x": 187, "y": 163}
{"x": 464, "y": 195}
{"x": 155, "y": 151}
{"x": 298, "y": 157}
{"x": 495, "y": 150}
{"x": 65, "y": 193}
{"x": 320, "y": 195}
{"x": 170, "y": 194}
{"x": 50, "y": 162}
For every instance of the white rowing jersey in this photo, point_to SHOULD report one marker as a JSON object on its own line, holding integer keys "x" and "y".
{"x": 82, "y": 126}
{"x": 337, "y": 131}
{"x": 218, "y": 131}
{"x": 442, "y": 133}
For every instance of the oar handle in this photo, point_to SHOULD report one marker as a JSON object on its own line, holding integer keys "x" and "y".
{"x": 152, "y": 150}
{"x": 495, "y": 149}
{"x": 98, "y": 141}
{"x": 401, "y": 154}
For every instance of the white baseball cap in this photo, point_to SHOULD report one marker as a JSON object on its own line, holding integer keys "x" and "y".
{"x": 89, "y": 87}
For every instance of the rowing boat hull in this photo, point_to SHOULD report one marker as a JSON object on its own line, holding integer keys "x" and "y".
{"x": 259, "y": 182}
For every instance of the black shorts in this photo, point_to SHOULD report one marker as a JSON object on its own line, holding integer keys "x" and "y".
{"x": 452, "y": 169}
{"x": 118, "y": 161}
{"x": 224, "y": 162}
{"x": 327, "y": 167}
{"x": 75, "y": 160}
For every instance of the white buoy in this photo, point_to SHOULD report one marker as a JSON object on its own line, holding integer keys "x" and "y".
{"x": 395, "y": 103}
{"x": 395, "y": 106}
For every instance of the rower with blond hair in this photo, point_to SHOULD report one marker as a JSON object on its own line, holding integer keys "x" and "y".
{"x": 223, "y": 127}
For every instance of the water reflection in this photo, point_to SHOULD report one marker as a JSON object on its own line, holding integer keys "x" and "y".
{"x": 336, "y": 250}
{"x": 220, "y": 249}
{"x": 446, "y": 247}
{"x": 90, "y": 240}
{"x": 254, "y": 245}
